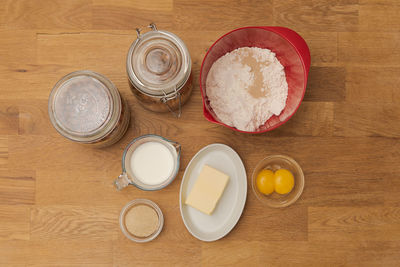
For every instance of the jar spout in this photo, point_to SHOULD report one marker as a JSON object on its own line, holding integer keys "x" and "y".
{"x": 177, "y": 147}
{"x": 122, "y": 181}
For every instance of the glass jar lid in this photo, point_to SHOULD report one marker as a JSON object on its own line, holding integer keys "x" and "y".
{"x": 82, "y": 104}
{"x": 158, "y": 62}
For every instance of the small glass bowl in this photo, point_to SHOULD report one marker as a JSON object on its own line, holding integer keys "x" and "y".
{"x": 138, "y": 202}
{"x": 274, "y": 163}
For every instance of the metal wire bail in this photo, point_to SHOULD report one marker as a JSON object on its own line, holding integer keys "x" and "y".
{"x": 165, "y": 101}
{"x": 152, "y": 26}
{"x": 138, "y": 30}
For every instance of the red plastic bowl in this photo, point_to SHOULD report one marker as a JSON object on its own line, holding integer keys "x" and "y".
{"x": 290, "y": 49}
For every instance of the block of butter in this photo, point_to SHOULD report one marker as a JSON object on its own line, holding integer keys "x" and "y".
{"x": 207, "y": 190}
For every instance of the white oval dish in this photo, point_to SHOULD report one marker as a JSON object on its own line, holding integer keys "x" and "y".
{"x": 230, "y": 206}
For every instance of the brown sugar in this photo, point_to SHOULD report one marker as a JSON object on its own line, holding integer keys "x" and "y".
{"x": 254, "y": 89}
{"x": 141, "y": 221}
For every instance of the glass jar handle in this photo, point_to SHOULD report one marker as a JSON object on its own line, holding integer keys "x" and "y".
{"x": 122, "y": 181}
{"x": 152, "y": 26}
{"x": 177, "y": 146}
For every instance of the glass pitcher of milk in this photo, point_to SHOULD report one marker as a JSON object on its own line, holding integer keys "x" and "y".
{"x": 149, "y": 162}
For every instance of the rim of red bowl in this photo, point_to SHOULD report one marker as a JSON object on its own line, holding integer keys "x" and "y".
{"x": 270, "y": 28}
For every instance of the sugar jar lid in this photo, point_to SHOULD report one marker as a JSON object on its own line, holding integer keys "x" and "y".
{"x": 82, "y": 104}
{"x": 158, "y": 62}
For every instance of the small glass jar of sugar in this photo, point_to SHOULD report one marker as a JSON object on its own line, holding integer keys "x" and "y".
{"x": 150, "y": 162}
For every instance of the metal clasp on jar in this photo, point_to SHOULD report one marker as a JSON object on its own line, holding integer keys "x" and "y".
{"x": 152, "y": 26}
{"x": 175, "y": 95}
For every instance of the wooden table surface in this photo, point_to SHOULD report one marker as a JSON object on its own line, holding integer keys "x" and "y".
{"x": 57, "y": 203}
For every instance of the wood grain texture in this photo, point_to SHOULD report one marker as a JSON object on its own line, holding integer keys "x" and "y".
{"x": 379, "y": 15}
{"x": 240, "y": 253}
{"x": 362, "y": 82}
{"x": 56, "y": 253}
{"x": 17, "y": 187}
{"x": 289, "y": 224}
{"x": 354, "y": 189}
{"x": 14, "y": 222}
{"x": 58, "y": 206}
{"x": 362, "y": 224}
{"x": 128, "y": 15}
{"x": 23, "y": 41}
{"x": 9, "y": 119}
{"x": 223, "y": 14}
{"x": 2, "y": 15}
{"x": 367, "y": 120}
{"x": 369, "y": 48}
{"x": 327, "y": 85}
{"x": 331, "y": 253}
{"x": 156, "y": 253}
{"x": 326, "y": 15}
{"x": 66, "y": 222}
{"x": 3, "y": 153}
{"x": 49, "y": 14}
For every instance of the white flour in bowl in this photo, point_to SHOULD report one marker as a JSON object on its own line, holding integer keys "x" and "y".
{"x": 246, "y": 87}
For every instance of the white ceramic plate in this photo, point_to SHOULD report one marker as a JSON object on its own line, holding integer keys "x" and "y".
{"x": 230, "y": 206}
